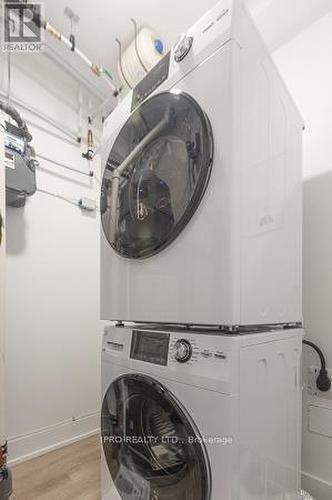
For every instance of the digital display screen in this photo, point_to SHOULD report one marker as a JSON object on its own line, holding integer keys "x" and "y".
{"x": 152, "y": 81}
{"x": 150, "y": 347}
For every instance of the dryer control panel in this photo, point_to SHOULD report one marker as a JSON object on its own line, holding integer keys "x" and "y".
{"x": 151, "y": 82}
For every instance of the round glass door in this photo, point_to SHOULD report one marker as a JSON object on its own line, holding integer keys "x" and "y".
{"x": 156, "y": 174}
{"x": 152, "y": 448}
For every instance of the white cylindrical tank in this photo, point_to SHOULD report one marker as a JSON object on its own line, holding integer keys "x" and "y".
{"x": 140, "y": 56}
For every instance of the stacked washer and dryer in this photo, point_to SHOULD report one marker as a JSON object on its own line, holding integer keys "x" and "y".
{"x": 201, "y": 209}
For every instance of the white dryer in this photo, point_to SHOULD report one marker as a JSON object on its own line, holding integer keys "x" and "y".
{"x": 197, "y": 416}
{"x": 201, "y": 192}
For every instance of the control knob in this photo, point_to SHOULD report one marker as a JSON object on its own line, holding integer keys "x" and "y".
{"x": 183, "y": 47}
{"x": 183, "y": 351}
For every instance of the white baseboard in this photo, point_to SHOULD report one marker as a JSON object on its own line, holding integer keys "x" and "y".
{"x": 35, "y": 444}
{"x": 319, "y": 489}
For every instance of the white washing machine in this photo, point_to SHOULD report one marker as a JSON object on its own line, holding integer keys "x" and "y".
{"x": 201, "y": 193}
{"x": 197, "y": 416}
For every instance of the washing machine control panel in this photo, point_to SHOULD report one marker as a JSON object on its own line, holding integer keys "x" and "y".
{"x": 150, "y": 347}
{"x": 197, "y": 358}
{"x": 183, "y": 350}
{"x": 166, "y": 348}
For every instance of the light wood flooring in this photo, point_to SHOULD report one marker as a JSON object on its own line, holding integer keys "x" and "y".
{"x": 69, "y": 473}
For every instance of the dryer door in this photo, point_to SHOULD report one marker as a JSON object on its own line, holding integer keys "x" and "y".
{"x": 151, "y": 445}
{"x": 156, "y": 174}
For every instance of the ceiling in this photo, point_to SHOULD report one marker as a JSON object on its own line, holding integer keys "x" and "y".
{"x": 102, "y": 21}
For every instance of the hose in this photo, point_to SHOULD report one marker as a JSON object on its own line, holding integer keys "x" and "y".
{"x": 9, "y": 110}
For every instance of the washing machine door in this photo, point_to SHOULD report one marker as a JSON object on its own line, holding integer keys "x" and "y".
{"x": 156, "y": 174}
{"x": 152, "y": 447}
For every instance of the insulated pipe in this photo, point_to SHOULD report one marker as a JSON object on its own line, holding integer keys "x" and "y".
{"x": 120, "y": 171}
{"x": 10, "y": 111}
{"x": 116, "y": 178}
{"x": 144, "y": 142}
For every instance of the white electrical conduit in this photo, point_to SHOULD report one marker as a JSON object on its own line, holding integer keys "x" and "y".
{"x": 59, "y": 196}
{"x": 55, "y": 134}
{"x": 73, "y": 201}
{"x": 63, "y": 165}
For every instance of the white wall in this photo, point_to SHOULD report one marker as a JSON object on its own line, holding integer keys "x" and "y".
{"x": 2, "y": 288}
{"x": 53, "y": 327}
{"x": 306, "y": 64}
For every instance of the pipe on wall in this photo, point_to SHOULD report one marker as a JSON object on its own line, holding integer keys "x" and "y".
{"x": 63, "y": 165}
{"x": 68, "y": 132}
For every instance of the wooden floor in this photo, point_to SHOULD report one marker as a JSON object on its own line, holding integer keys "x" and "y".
{"x": 69, "y": 473}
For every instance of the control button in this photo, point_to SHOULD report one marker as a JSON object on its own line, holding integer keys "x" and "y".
{"x": 183, "y": 47}
{"x": 207, "y": 27}
{"x": 206, "y": 353}
{"x": 182, "y": 351}
{"x": 159, "y": 46}
{"x": 222, "y": 14}
{"x": 220, "y": 355}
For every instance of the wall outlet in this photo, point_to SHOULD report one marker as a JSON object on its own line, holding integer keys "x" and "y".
{"x": 312, "y": 374}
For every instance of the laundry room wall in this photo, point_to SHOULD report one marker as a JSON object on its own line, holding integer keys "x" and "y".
{"x": 53, "y": 327}
{"x": 305, "y": 63}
